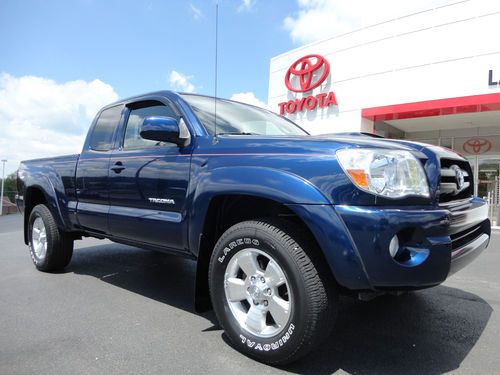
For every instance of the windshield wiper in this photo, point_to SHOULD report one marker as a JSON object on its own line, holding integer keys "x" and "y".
{"x": 237, "y": 133}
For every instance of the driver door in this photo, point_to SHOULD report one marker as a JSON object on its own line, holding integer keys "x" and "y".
{"x": 148, "y": 183}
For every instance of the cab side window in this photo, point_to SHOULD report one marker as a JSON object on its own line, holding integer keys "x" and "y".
{"x": 104, "y": 129}
{"x": 133, "y": 139}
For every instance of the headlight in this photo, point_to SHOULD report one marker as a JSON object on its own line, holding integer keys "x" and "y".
{"x": 390, "y": 173}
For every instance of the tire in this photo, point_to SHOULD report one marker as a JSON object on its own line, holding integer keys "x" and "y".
{"x": 275, "y": 322}
{"x": 51, "y": 249}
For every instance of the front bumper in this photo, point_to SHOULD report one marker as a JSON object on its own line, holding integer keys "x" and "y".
{"x": 433, "y": 242}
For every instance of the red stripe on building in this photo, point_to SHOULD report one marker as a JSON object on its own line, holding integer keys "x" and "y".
{"x": 439, "y": 107}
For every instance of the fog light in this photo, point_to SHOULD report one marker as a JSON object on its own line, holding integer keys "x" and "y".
{"x": 394, "y": 246}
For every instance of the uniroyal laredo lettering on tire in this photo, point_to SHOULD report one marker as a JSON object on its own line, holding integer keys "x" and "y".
{"x": 271, "y": 292}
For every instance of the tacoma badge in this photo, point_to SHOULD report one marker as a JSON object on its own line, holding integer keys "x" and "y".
{"x": 161, "y": 200}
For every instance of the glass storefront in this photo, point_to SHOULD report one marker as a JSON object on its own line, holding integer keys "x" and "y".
{"x": 487, "y": 182}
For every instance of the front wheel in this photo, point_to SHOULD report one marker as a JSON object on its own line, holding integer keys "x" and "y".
{"x": 51, "y": 249}
{"x": 272, "y": 296}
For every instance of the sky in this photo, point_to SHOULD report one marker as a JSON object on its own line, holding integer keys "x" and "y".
{"x": 61, "y": 61}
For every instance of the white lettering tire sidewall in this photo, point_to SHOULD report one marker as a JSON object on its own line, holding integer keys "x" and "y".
{"x": 284, "y": 343}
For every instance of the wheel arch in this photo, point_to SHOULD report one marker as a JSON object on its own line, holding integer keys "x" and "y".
{"x": 37, "y": 194}
{"x": 218, "y": 219}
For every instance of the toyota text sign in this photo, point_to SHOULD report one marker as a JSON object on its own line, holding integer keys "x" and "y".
{"x": 303, "y": 76}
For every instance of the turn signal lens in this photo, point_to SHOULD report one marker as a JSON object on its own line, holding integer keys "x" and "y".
{"x": 358, "y": 176}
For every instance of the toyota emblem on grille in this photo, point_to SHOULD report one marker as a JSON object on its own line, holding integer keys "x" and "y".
{"x": 459, "y": 176}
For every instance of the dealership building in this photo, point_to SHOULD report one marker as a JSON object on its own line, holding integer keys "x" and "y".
{"x": 431, "y": 76}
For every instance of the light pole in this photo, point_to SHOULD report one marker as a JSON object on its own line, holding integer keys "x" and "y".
{"x": 3, "y": 179}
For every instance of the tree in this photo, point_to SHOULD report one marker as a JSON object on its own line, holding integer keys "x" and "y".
{"x": 10, "y": 186}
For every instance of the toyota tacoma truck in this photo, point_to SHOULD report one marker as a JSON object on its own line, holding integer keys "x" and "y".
{"x": 280, "y": 222}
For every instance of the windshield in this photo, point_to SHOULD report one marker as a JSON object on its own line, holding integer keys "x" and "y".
{"x": 238, "y": 118}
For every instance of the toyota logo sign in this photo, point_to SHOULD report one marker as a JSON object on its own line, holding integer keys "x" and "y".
{"x": 303, "y": 76}
{"x": 477, "y": 146}
{"x": 304, "y": 69}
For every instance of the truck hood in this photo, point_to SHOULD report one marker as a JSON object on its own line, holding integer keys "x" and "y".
{"x": 313, "y": 158}
{"x": 326, "y": 144}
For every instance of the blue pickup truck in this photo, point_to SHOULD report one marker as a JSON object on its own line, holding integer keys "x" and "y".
{"x": 279, "y": 221}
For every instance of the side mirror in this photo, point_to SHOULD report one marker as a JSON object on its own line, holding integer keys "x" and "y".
{"x": 162, "y": 129}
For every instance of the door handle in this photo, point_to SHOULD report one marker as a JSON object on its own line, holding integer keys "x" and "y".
{"x": 118, "y": 167}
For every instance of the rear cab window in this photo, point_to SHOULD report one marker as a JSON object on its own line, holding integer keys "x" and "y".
{"x": 101, "y": 138}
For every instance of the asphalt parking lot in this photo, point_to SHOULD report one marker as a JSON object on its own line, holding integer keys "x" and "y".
{"x": 118, "y": 310}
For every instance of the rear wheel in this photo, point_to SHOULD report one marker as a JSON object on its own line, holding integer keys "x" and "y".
{"x": 51, "y": 249}
{"x": 273, "y": 298}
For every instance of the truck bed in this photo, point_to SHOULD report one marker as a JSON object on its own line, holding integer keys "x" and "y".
{"x": 56, "y": 174}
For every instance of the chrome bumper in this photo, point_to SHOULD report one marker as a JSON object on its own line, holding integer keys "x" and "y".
{"x": 470, "y": 234}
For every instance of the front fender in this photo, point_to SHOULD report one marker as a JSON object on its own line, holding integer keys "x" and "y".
{"x": 277, "y": 185}
{"x": 336, "y": 244}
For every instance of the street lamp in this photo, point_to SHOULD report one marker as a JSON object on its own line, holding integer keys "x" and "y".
{"x": 3, "y": 179}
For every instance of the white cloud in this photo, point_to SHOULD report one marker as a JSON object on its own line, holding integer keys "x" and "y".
{"x": 246, "y": 5}
{"x": 320, "y": 19}
{"x": 196, "y": 12}
{"x": 40, "y": 118}
{"x": 181, "y": 82}
{"x": 248, "y": 98}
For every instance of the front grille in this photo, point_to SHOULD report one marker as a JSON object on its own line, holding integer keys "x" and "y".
{"x": 460, "y": 239}
{"x": 449, "y": 189}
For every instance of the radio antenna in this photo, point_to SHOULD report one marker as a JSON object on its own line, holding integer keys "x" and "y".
{"x": 216, "y": 52}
